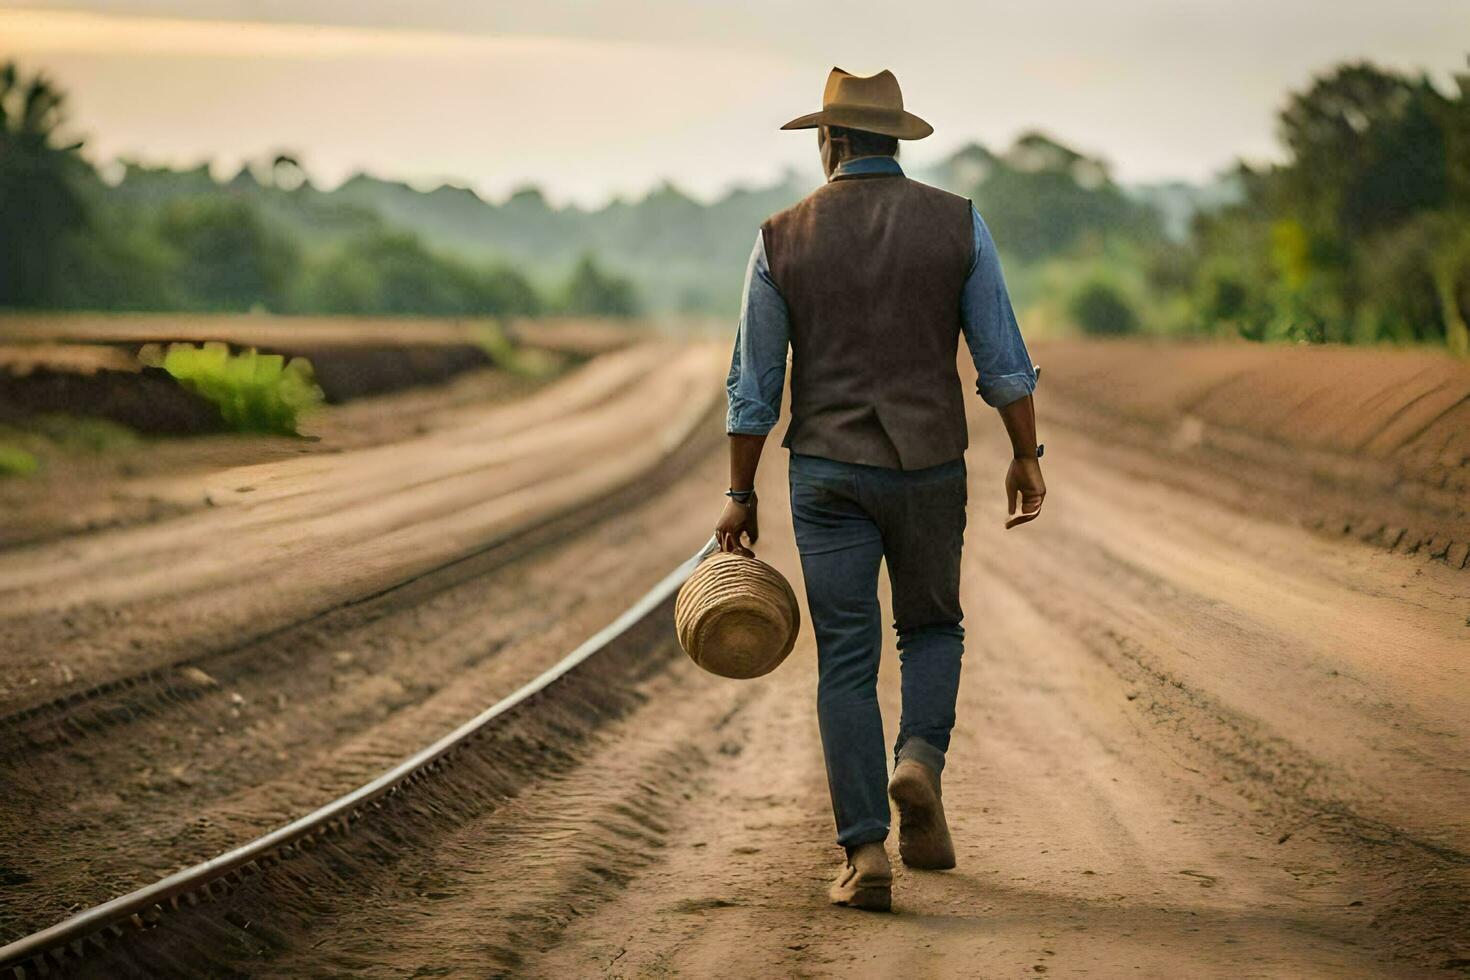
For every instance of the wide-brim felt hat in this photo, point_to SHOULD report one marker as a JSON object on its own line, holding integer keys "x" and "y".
{"x": 736, "y": 616}
{"x": 873, "y": 103}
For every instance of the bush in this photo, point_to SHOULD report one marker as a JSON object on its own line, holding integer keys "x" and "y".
{"x": 1101, "y": 310}
{"x": 15, "y": 461}
{"x": 523, "y": 362}
{"x": 255, "y": 392}
{"x": 81, "y": 433}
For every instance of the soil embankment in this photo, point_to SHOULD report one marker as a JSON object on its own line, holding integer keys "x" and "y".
{"x": 582, "y": 337}
{"x": 259, "y": 545}
{"x": 86, "y": 364}
{"x": 1367, "y": 442}
{"x": 99, "y": 382}
{"x": 75, "y": 395}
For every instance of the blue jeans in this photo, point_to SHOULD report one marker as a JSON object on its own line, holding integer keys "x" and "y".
{"x": 848, "y": 518}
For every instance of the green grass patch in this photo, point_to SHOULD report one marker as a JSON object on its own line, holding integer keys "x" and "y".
{"x": 29, "y": 445}
{"x": 524, "y": 362}
{"x": 15, "y": 461}
{"x": 81, "y": 434}
{"x": 255, "y": 392}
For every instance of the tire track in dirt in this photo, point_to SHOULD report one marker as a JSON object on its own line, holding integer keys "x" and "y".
{"x": 250, "y": 923}
{"x": 1191, "y": 743}
{"x": 278, "y": 727}
{"x": 1110, "y": 818}
{"x": 513, "y": 881}
{"x": 325, "y": 531}
{"x": 314, "y": 715}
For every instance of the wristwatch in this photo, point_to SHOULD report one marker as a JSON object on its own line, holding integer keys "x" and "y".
{"x": 1040, "y": 448}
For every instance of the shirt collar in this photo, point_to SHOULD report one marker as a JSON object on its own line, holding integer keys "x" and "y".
{"x": 862, "y": 166}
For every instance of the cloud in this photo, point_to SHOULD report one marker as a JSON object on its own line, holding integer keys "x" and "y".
{"x": 80, "y": 33}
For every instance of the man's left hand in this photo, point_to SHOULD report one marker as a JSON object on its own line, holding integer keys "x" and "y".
{"x": 1024, "y": 484}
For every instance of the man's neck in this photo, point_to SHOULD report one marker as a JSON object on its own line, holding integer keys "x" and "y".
{"x": 871, "y": 165}
{"x": 849, "y": 161}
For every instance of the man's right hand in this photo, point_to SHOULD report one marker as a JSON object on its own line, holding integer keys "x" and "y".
{"x": 735, "y": 520}
{"x": 1023, "y": 481}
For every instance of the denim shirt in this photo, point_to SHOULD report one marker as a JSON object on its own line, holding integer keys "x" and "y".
{"x": 758, "y": 367}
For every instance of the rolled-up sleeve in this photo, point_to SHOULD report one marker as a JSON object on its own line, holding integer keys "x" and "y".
{"x": 758, "y": 365}
{"x": 1003, "y": 366}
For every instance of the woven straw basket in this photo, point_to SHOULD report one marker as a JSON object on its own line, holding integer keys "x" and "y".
{"x": 736, "y": 616}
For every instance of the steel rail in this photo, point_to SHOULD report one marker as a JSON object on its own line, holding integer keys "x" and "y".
{"x": 89, "y": 922}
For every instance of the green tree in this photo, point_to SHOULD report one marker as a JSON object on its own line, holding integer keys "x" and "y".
{"x": 1359, "y": 234}
{"x": 393, "y": 273}
{"x": 1041, "y": 198}
{"x": 1367, "y": 150}
{"x": 1452, "y": 259}
{"x": 501, "y": 289}
{"x": 228, "y": 257}
{"x": 120, "y": 264}
{"x": 592, "y": 292}
{"x": 1100, "y": 309}
{"x": 41, "y": 203}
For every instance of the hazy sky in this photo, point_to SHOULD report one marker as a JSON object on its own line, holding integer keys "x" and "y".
{"x": 590, "y": 99}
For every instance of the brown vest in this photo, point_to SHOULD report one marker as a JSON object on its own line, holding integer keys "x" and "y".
{"x": 871, "y": 268}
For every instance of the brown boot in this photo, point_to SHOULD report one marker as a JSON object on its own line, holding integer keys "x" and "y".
{"x": 923, "y": 833}
{"x": 866, "y": 880}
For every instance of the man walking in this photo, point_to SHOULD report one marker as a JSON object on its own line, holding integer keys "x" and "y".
{"x": 871, "y": 280}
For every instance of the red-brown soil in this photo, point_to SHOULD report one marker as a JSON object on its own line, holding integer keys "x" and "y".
{"x": 261, "y": 544}
{"x": 98, "y": 382}
{"x": 86, "y": 364}
{"x": 1372, "y": 443}
{"x": 107, "y": 484}
{"x": 266, "y": 332}
{"x": 1193, "y": 741}
{"x": 1195, "y": 737}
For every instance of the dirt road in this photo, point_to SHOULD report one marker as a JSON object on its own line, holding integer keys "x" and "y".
{"x": 261, "y": 545}
{"x": 285, "y": 646}
{"x": 1192, "y": 742}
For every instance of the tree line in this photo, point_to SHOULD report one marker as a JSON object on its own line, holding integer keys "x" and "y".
{"x": 1362, "y": 233}
{"x": 70, "y": 240}
{"x": 1359, "y": 234}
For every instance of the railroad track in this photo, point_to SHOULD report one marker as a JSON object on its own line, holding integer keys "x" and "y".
{"x": 596, "y": 681}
